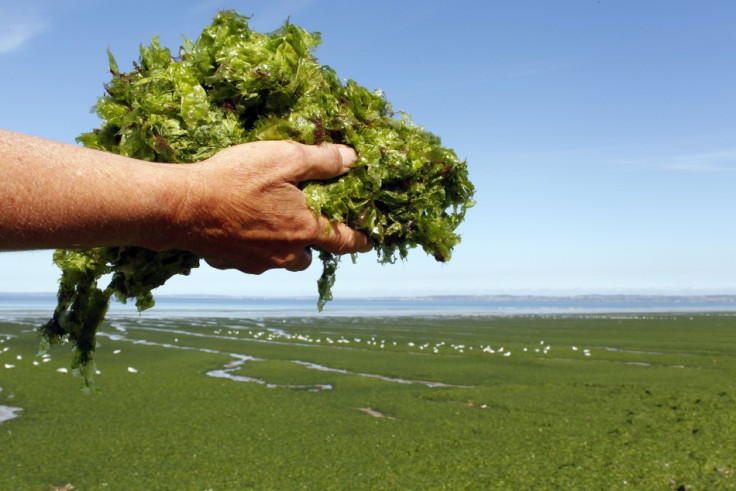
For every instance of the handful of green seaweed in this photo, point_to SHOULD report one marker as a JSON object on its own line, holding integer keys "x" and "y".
{"x": 232, "y": 86}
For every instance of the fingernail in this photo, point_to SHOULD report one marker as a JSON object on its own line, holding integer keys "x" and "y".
{"x": 347, "y": 156}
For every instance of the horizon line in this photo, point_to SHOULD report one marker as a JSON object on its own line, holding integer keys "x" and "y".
{"x": 418, "y": 296}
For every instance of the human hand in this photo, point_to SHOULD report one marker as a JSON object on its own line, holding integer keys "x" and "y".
{"x": 243, "y": 209}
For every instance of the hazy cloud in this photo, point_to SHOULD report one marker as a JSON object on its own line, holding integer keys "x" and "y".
{"x": 718, "y": 161}
{"x": 17, "y": 30}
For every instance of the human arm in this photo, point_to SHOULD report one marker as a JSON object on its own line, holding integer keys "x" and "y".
{"x": 239, "y": 209}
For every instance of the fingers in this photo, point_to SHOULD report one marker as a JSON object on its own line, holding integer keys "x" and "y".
{"x": 338, "y": 238}
{"x": 302, "y": 260}
{"x": 324, "y": 161}
{"x": 285, "y": 228}
{"x": 297, "y": 260}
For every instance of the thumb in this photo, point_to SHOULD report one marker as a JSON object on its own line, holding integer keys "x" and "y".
{"x": 325, "y": 161}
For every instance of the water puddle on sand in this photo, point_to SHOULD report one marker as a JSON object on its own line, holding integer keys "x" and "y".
{"x": 638, "y": 352}
{"x": 322, "y": 368}
{"x": 227, "y": 371}
{"x": 7, "y": 412}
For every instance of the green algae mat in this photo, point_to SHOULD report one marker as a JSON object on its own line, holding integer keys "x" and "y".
{"x": 543, "y": 402}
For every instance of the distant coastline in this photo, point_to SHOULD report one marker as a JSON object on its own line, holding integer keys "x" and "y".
{"x": 586, "y": 298}
{"x": 583, "y": 298}
{"x": 425, "y": 305}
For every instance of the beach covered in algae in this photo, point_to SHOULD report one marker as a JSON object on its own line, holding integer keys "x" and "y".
{"x": 544, "y": 401}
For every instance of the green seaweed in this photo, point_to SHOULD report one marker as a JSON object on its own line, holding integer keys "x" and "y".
{"x": 231, "y": 86}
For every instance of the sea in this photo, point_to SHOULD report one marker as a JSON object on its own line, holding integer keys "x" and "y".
{"x": 168, "y": 306}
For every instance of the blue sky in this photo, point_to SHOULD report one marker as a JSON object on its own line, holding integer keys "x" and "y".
{"x": 601, "y": 135}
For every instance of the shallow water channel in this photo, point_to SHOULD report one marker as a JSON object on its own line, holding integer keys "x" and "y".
{"x": 7, "y": 412}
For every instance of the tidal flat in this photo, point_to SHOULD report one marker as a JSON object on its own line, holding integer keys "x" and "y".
{"x": 433, "y": 402}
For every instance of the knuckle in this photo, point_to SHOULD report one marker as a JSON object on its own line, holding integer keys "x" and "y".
{"x": 340, "y": 241}
{"x": 292, "y": 151}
